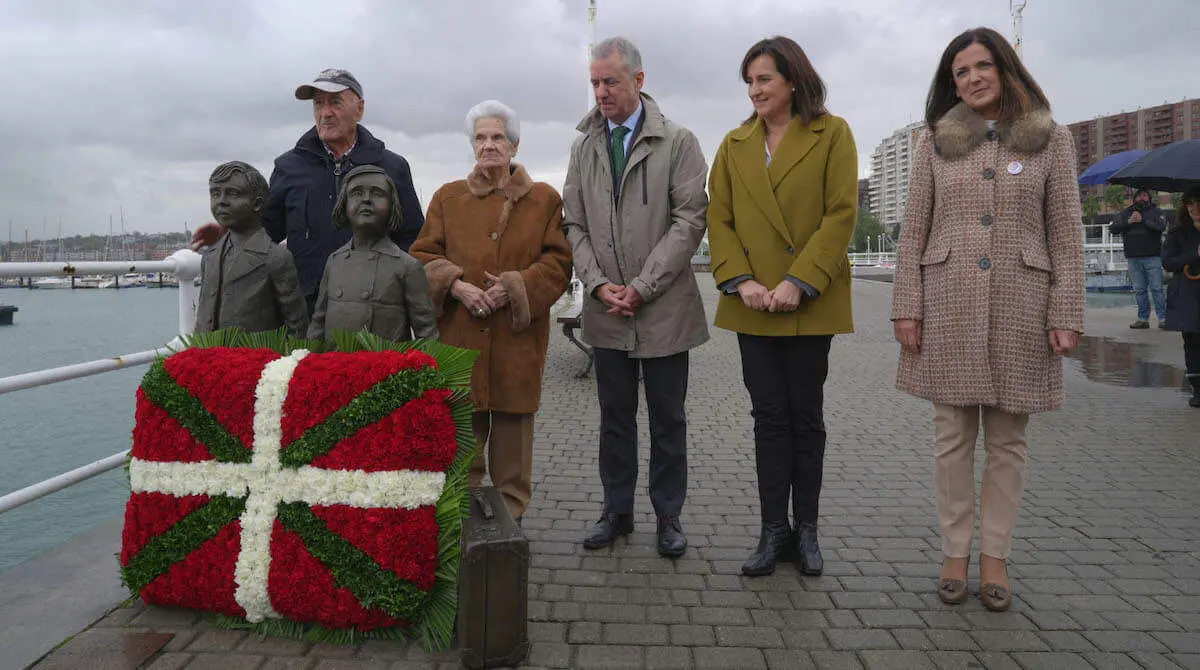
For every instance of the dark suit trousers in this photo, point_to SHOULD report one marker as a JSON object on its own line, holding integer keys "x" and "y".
{"x": 666, "y": 381}
{"x": 786, "y": 378}
{"x": 1191, "y": 356}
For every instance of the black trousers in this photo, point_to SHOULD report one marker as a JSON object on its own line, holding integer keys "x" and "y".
{"x": 786, "y": 380}
{"x": 1191, "y": 354}
{"x": 666, "y": 381}
{"x": 311, "y": 301}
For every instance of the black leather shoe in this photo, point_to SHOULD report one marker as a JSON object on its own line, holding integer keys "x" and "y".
{"x": 671, "y": 541}
{"x": 808, "y": 552}
{"x": 605, "y": 531}
{"x": 776, "y": 542}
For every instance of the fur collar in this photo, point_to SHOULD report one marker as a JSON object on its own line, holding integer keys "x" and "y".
{"x": 961, "y": 130}
{"x": 517, "y": 186}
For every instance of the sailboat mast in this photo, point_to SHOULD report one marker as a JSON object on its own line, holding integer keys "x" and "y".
{"x": 1015, "y": 7}
{"x": 591, "y": 99}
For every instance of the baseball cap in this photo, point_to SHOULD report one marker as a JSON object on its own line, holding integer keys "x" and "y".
{"x": 331, "y": 81}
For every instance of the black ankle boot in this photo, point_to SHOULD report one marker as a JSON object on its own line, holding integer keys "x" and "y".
{"x": 1194, "y": 401}
{"x": 774, "y": 543}
{"x": 808, "y": 552}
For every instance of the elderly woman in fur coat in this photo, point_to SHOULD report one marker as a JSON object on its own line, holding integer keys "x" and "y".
{"x": 988, "y": 291}
{"x": 497, "y": 260}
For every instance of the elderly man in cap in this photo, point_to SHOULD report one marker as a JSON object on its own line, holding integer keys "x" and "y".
{"x": 306, "y": 179}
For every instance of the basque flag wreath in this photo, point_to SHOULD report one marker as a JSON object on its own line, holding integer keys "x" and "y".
{"x": 313, "y": 495}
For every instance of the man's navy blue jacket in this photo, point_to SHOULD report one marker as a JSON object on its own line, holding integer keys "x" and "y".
{"x": 304, "y": 189}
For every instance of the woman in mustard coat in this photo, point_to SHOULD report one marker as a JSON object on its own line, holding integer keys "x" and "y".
{"x": 783, "y": 202}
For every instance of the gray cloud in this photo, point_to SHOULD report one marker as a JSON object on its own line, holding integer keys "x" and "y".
{"x": 129, "y": 104}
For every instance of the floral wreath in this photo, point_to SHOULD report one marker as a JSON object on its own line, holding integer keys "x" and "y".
{"x": 319, "y": 497}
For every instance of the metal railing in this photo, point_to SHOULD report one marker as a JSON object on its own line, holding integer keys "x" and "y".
{"x": 185, "y": 265}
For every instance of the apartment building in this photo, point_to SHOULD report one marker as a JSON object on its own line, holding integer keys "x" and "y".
{"x": 1146, "y": 128}
{"x": 888, "y": 185}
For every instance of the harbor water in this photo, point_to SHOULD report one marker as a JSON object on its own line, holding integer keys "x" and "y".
{"x": 49, "y": 430}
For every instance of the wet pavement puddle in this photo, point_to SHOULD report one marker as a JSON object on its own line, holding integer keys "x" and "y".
{"x": 1110, "y": 361}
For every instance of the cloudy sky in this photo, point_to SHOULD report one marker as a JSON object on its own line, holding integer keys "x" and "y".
{"x": 129, "y": 104}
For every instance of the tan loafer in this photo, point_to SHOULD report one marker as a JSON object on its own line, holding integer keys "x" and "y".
{"x": 952, "y": 591}
{"x": 995, "y": 597}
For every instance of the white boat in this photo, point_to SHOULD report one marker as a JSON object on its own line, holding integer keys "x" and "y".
{"x": 52, "y": 282}
{"x": 89, "y": 281}
{"x": 161, "y": 280}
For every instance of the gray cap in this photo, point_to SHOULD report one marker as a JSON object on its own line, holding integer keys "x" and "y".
{"x": 330, "y": 81}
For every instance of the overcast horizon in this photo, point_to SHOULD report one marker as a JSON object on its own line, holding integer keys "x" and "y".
{"x": 129, "y": 105}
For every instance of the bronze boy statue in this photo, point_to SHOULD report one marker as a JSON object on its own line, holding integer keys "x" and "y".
{"x": 246, "y": 279}
{"x": 369, "y": 282}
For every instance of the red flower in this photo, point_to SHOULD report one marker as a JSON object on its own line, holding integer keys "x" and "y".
{"x": 224, "y": 379}
{"x": 401, "y": 540}
{"x": 157, "y": 436}
{"x": 419, "y": 435}
{"x": 323, "y": 384}
{"x": 302, "y": 589}
{"x": 150, "y": 514}
{"x": 203, "y": 580}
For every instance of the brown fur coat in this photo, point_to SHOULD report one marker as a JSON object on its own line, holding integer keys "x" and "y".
{"x": 512, "y": 230}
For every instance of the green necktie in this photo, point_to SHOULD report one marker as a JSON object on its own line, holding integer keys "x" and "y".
{"x": 618, "y": 152}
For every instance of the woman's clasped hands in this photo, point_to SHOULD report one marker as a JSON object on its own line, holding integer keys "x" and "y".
{"x": 786, "y": 297}
{"x": 480, "y": 303}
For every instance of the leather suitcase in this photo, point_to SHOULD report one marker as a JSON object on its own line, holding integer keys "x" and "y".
{"x": 493, "y": 583}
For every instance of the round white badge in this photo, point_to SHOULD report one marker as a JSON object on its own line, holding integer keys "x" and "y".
{"x": 1015, "y": 167}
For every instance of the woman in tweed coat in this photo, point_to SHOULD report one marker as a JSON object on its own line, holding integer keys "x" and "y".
{"x": 988, "y": 290}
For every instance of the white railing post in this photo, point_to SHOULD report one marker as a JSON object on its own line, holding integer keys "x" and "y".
{"x": 187, "y": 268}
{"x": 60, "y": 482}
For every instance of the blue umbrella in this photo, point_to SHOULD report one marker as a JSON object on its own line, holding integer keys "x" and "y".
{"x": 1101, "y": 171}
{"x": 1174, "y": 168}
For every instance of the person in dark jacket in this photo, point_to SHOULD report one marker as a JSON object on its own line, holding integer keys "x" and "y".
{"x": 306, "y": 180}
{"x": 1141, "y": 226}
{"x": 1181, "y": 255}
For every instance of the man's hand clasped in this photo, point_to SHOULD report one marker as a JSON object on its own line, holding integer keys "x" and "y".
{"x": 621, "y": 300}
{"x": 205, "y": 236}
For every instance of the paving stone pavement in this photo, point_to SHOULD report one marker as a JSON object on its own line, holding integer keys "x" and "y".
{"x": 1105, "y": 567}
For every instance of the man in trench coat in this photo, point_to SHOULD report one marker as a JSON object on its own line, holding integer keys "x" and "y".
{"x": 634, "y": 211}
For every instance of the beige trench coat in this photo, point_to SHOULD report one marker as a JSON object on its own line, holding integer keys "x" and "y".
{"x": 991, "y": 259}
{"x": 645, "y": 238}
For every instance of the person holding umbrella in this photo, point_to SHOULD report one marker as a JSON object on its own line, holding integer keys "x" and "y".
{"x": 1181, "y": 255}
{"x": 1141, "y": 227}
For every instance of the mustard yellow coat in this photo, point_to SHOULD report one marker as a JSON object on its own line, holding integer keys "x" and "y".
{"x": 794, "y": 217}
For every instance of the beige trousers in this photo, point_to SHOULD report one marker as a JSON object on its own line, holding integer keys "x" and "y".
{"x": 956, "y": 430}
{"x": 508, "y": 439}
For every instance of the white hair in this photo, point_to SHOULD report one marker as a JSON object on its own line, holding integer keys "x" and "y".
{"x": 629, "y": 52}
{"x": 494, "y": 109}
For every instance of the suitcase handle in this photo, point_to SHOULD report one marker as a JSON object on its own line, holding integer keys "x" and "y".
{"x": 485, "y": 507}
